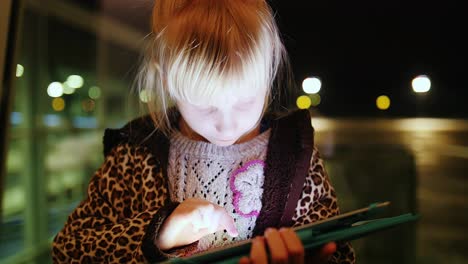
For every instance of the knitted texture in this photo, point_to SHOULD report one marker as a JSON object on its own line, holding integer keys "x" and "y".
{"x": 231, "y": 177}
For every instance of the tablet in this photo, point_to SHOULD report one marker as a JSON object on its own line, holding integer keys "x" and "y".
{"x": 343, "y": 227}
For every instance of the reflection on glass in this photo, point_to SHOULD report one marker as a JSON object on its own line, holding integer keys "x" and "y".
{"x": 72, "y": 90}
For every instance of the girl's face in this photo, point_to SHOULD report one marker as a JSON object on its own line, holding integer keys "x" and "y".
{"x": 230, "y": 119}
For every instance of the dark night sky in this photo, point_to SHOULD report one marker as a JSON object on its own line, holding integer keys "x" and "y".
{"x": 367, "y": 48}
{"x": 363, "y": 49}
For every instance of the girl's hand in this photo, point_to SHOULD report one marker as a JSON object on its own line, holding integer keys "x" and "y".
{"x": 192, "y": 220}
{"x": 284, "y": 247}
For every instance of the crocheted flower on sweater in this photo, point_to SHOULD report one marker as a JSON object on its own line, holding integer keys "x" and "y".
{"x": 246, "y": 184}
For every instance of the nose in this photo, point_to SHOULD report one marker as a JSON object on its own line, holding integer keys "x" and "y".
{"x": 226, "y": 125}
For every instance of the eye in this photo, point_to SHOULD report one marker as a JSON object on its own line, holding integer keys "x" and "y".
{"x": 206, "y": 110}
{"x": 245, "y": 105}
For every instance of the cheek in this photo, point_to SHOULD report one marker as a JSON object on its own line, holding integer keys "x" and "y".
{"x": 247, "y": 123}
{"x": 196, "y": 121}
{"x": 250, "y": 119}
{"x": 200, "y": 124}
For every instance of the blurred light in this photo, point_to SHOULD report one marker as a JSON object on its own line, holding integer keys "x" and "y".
{"x": 303, "y": 102}
{"x": 311, "y": 85}
{"x": 88, "y": 105}
{"x": 19, "y": 70}
{"x": 421, "y": 84}
{"x": 52, "y": 120}
{"x": 16, "y": 118}
{"x": 54, "y": 187}
{"x": 145, "y": 96}
{"x": 94, "y": 92}
{"x": 75, "y": 81}
{"x": 67, "y": 89}
{"x": 70, "y": 180}
{"x": 14, "y": 202}
{"x": 315, "y": 99}
{"x": 425, "y": 124}
{"x": 84, "y": 122}
{"x": 58, "y": 104}
{"x": 55, "y": 89}
{"x": 383, "y": 102}
{"x": 430, "y": 125}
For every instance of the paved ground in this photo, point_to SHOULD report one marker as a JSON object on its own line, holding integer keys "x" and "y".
{"x": 420, "y": 165}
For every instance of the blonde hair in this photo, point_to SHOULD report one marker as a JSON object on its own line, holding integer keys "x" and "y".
{"x": 202, "y": 48}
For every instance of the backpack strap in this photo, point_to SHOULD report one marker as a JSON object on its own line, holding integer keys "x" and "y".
{"x": 287, "y": 163}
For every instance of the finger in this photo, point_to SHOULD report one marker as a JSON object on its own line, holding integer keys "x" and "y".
{"x": 205, "y": 219}
{"x": 278, "y": 250}
{"x": 226, "y": 222}
{"x": 293, "y": 244}
{"x": 327, "y": 250}
{"x": 197, "y": 220}
{"x": 324, "y": 253}
{"x": 258, "y": 253}
{"x": 244, "y": 260}
{"x": 213, "y": 220}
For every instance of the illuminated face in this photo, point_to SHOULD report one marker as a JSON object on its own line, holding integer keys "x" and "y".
{"x": 232, "y": 118}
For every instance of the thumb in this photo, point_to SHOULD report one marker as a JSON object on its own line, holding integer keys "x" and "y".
{"x": 244, "y": 260}
{"x": 227, "y": 222}
{"x": 328, "y": 250}
{"x": 325, "y": 252}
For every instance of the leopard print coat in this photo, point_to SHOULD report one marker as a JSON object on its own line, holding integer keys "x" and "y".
{"x": 127, "y": 201}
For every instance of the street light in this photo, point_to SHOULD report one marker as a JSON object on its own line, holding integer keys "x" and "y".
{"x": 383, "y": 102}
{"x": 303, "y": 102}
{"x": 421, "y": 84}
{"x": 75, "y": 81}
{"x": 55, "y": 89}
{"x": 311, "y": 85}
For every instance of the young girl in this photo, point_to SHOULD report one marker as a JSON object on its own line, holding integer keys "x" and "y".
{"x": 211, "y": 165}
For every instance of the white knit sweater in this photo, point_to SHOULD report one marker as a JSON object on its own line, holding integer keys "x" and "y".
{"x": 230, "y": 176}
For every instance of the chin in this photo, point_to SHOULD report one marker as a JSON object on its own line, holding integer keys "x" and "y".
{"x": 223, "y": 143}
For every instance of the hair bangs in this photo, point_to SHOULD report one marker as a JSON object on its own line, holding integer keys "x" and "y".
{"x": 230, "y": 50}
{"x": 189, "y": 81}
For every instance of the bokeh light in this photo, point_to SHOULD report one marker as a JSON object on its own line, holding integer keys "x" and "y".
{"x": 383, "y": 102}
{"x": 315, "y": 99}
{"x": 94, "y": 92}
{"x": 421, "y": 84}
{"x": 311, "y": 85}
{"x": 67, "y": 89}
{"x": 303, "y": 102}
{"x": 55, "y": 89}
{"x": 19, "y": 70}
{"x": 58, "y": 104}
{"x": 145, "y": 96}
{"x": 75, "y": 81}
{"x": 88, "y": 105}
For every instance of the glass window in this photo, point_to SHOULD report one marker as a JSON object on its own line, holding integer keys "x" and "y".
{"x": 74, "y": 80}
